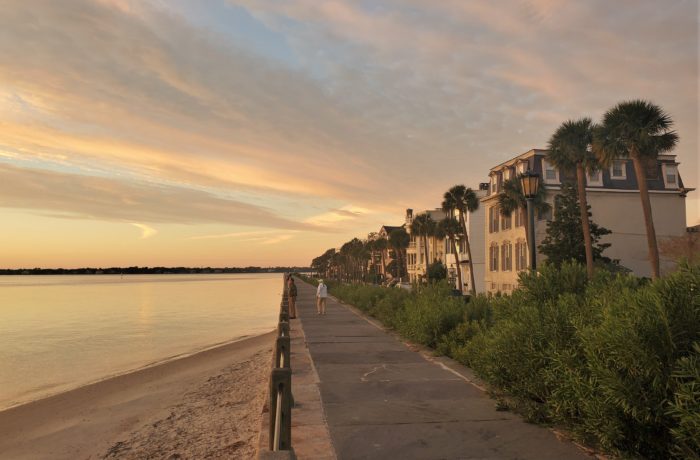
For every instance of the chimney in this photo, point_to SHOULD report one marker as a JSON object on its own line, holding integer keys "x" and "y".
{"x": 484, "y": 186}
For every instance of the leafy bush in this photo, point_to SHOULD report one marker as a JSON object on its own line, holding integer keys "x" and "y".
{"x": 685, "y": 407}
{"x": 437, "y": 271}
{"x": 631, "y": 356}
{"x": 431, "y": 313}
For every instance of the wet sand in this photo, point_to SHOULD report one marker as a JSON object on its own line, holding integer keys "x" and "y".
{"x": 207, "y": 405}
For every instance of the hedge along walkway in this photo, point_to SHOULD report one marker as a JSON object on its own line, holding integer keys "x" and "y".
{"x": 382, "y": 400}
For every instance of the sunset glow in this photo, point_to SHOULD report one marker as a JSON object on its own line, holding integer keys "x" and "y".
{"x": 259, "y": 132}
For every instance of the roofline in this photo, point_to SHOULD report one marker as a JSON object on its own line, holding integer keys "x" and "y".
{"x": 536, "y": 151}
{"x": 528, "y": 154}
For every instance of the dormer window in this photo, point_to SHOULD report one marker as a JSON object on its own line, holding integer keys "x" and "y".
{"x": 494, "y": 183}
{"x": 618, "y": 170}
{"x": 670, "y": 176}
{"x": 521, "y": 167}
{"x": 595, "y": 179}
{"x": 550, "y": 173}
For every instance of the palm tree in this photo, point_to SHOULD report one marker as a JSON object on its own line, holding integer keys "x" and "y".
{"x": 399, "y": 240}
{"x": 423, "y": 226}
{"x": 512, "y": 200}
{"x": 463, "y": 200}
{"x": 381, "y": 244}
{"x": 638, "y": 130}
{"x": 569, "y": 149}
{"x": 452, "y": 228}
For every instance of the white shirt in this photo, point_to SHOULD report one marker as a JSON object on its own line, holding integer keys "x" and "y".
{"x": 322, "y": 291}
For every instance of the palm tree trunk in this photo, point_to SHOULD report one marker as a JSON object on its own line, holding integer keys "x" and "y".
{"x": 526, "y": 223}
{"x": 459, "y": 267}
{"x": 646, "y": 207}
{"x": 403, "y": 265}
{"x": 381, "y": 261}
{"x": 585, "y": 223}
{"x": 472, "y": 282}
{"x": 425, "y": 251}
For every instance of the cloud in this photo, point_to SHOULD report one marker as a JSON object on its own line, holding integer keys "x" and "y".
{"x": 380, "y": 104}
{"x": 101, "y": 198}
{"x": 334, "y": 216}
{"x": 146, "y": 231}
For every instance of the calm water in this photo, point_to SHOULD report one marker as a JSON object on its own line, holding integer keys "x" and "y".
{"x": 61, "y": 332}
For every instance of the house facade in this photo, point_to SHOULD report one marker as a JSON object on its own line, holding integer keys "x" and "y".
{"x": 475, "y": 230}
{"x": 613, "y": 195}
{"x": 416, "y": 263}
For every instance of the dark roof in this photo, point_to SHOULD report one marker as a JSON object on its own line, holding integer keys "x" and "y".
{"x": 390, "y": 228}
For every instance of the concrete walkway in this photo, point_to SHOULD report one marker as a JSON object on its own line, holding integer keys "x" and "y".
{"x": 381, "y": 400}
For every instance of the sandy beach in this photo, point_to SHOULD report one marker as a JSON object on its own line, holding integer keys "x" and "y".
{"x": 206, "y": 405}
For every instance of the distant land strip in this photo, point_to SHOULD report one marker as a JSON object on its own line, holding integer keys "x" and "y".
{"x": 147, "y": 270}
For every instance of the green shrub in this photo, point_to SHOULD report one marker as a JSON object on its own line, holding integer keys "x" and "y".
{"x": 390, "y": 308}
{"x": 685, "y": 406}
{"x": 631, "y": 357}
{"x": 431, "y": 313}
{"x": 437, "y": 271}
{"x": 477, "y": 318}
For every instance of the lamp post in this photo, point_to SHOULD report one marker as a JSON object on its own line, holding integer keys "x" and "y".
{"x": 530, "y": 183}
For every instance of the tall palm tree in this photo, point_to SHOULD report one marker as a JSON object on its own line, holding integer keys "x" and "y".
{"x": 423, "y": 225}
{"x": 569, "y": 150}
{"x": 512, "y": 200}
{"x": 463, "y": 200}
{"x": 638, "y": 130}
{"x": 399, "y": 240}
{"x": 381, "y": 244}
{"x": 453, "y": 230}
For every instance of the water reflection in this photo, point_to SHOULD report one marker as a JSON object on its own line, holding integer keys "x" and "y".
{"x": 59, "y": 332}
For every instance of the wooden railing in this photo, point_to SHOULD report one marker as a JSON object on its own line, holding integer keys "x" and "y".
{"x": 280, "y": 402}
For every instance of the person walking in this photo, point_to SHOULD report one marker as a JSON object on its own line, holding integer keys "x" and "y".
{"x": 321, "y": 294}
{"x": 292, "y": 296}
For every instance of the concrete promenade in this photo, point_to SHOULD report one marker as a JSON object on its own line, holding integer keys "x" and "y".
{"x": 381, "y": 400}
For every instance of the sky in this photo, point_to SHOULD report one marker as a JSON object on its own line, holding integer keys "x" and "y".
{"x": 263, "y": 132}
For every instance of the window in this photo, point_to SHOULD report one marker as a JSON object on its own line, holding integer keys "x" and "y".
{"x": 493, "y": 219}
{"x": 550, "y": 173}
{"x": 670, "y": 176}
{"x": 595, "y": 179}
{"x": 494, "y": 184}
{"x": 506, "y": 256}
{"x": 520, "y": 217}
{"x": 520, "y": 255}
{"x": 493, "y": 257}
{"x": 521, "y": 167}
{"x": 618, "y": 170}
{"x": 506, "y": 174}
{"x": 506, "y": 222}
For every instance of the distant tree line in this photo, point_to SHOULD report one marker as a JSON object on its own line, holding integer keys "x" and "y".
{"x": 147, "y": 270}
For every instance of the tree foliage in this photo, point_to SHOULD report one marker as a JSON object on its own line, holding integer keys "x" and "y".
{"x": 564, "y": 239}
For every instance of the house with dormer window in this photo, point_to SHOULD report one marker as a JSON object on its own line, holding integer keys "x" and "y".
{"x": 613, "y": 195}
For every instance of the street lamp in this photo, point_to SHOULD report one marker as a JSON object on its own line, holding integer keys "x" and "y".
{"x": 530, "y": 183}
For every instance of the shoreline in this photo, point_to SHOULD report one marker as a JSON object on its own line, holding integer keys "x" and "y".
{"x": 133, "y": 370}
{"x": 93, "y": 420}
